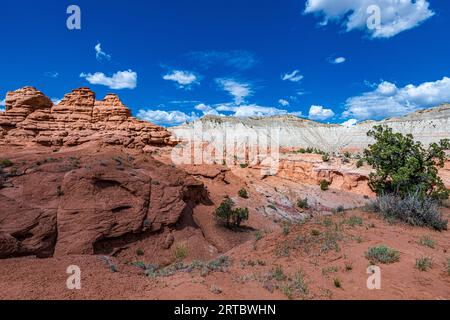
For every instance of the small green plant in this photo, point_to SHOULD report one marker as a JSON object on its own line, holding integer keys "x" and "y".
{"x": 328, "y": 270}
{"x": 315, "y": 233}
{"x": 382, "y": 254}
{"x": 339, "y": 209}
{"x": 337, "y": 283}
{"x": 180, "y": 252}
{"x": 239, "y": 215}
{"x": 360, "y": 163}
{"x": 243, "y": 193}
{"x": 354, "y": 221}
{"x": 326, "y": 157}
{"x": 427, "y": 241}
{"x": 227, "y": 214}
{"x": 300, "y": 283}
{"x": 271, "y": 206}
{"x": 424, "y": 263}
{"x": 6, "y": 163}
{"x": 301, "y": 150}
{"x": 244, "y": 165}
{"x": 259, "y": 235}
{"x": 277, "y": 273}
{"x": 348, "y": 266}
{"x": 286, "y": 230}
{"x": 347, "y": 154}
{"x": 140, "y": 252}
{"x": 324, "y": 185}
{"x": 303, "y": 204}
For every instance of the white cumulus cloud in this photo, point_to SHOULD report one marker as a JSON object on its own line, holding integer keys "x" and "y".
{"x": 283, "y": 102}
{"x": 350, "y": 123}
{"x": 184, "y": 79}
{"x": 396, "y": 15}
{"x": 119, "y": 80}
{"x": 320, "y": 113}
{"x": 238, "y": 90}
{"x": 253, "y": 110}
{"x": 294, "y": 76}
{"x": 100, "y": 54}
{"x": 2, "y": 104}
{"x": 388, "y": 100}
{"x": 168, "y": 118}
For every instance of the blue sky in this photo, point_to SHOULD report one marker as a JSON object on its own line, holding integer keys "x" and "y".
{"x": 176, "y": 60}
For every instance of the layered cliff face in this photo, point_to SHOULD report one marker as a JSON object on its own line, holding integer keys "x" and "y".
{"x": 31, "y": 118}
{"x": 427, "y": 126}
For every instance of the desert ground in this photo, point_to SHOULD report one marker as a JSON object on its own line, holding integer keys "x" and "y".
{"x": 103, "y": 194}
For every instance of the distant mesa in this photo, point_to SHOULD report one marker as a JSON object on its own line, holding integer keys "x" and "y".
{"x": 30, "y": 117}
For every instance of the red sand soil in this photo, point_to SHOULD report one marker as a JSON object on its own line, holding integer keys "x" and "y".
{"x": 249, "y": 276}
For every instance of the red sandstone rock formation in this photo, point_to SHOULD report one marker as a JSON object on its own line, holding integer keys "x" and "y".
{"x": 77, "y": 203}
{"x": 31, "y": 118}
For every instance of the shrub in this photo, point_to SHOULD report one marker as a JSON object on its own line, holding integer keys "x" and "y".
{"x": 258, "y": 235}
{"x": 347, "y": 154}
{"x": 244, "y": 165}
{"x": 324, "y": 185}
{"x": 382, "y": 254}
{"x": 354, "y": 221}
{"x": 225, "y": 211}
{"x": 423, "y": 264}
{"x": 180, "y": 252}
{"x": 359, "y": 163}
{"x": 303, "y": 203}
{"x": 427, "y": 241}
{"x": 140, "y": 252}
{"x": 315, "y": 233}
{"x": 239, "y": 215}
{"x": 337, "y": 283}
{"x": 412, "y": 209}
{"x": 301, "y": 150}
{"x": 326, "y": 157}
{"x": 227, "y": 214}
{"x": 277, "y": 273}
{"x": 5, "y": 163}
{"x": 339, "y": 209}
{"x": 404, "y": 166}
{"x": 243, "y": 193}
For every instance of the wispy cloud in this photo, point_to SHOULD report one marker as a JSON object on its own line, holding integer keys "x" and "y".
{"x": 238, "y": 59}
{"x": 388, "y": 100}
{"x": 100, "y": 54}
{"x": 337, "y": 60}
{"x": 119, "y": 80}
{"x": 294, "y": 76}
{"x": 184, "y": 79}
{"x": 52, "y": 74}
{"x": 396, "y": 16}
{"x": 238, "y": 90}
{"x": 320, "y": 113}
{"x": 2, "y": 105}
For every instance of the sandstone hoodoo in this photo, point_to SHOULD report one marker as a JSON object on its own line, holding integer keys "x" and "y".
{"x": 31, "y": 118}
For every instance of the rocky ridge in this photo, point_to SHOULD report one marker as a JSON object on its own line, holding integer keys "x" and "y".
{"x": 30, "y": 118}
{"x": 427, "y": 126}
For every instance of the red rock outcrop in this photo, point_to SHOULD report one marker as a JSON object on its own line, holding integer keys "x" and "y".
{"x": 69, "y": 203}
{"x": 31, "y": 118}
